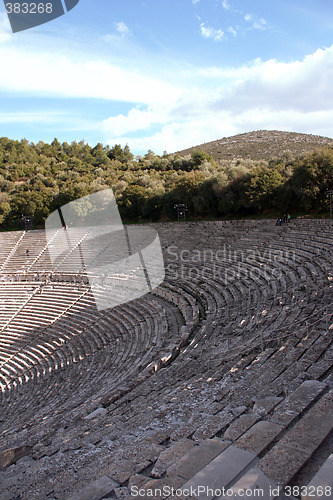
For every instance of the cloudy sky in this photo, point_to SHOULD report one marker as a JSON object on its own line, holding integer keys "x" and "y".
{"x": 166, "y": 75}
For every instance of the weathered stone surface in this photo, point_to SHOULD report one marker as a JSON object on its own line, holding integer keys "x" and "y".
{"x": 139, "y": 457}
{"x": 323, "y": 479}
{"x": 213, "y": 425}
{"x": 169, "y": 456}
{"x": 297, "y": 402}
{"x": 259, "y": 436}
{"x": 97, "y": 413}
{"x": 6, "y": 496}
{"x": 297, "y": 445}
{"x": 281, "y": 464}
{"x": 239, "y": 426}
{"x": 39, "y": 450}
{"x": 220, "y": 471}
{"x": 265, "y": 405}
{"x": 26, "y": 462}
{"x": 56, "y": 374}
{"x": 187, "y": 429}
{"x": 122, "y": 492}
{"x": 11, "y": 456}
{"x": 96, "y": 490}
{"x": 315, "y": 425}
{"x": 123, "y": 470}
{"x": 155, "y": 488}
{"x": 255, "y": 482}
{"x": 238, "y": 410}
{"x": 137, "y": 480}
{"x": 198, "y": 458}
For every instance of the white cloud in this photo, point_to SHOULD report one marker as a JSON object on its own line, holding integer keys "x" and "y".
{"x": 293, "y": 86}
{"x": 4, "y": 37}
{"x": 4, "y": 22}
{"x": 122, "y": 28}
{"x": 261, "y": 95}
{"x": 48, "y": 72}
{"x": 226, "y": 5}
{"x": 209, "y": 32}
{"x": 137, "y": 120}
{"x": 232, "y": 31}
{"x": 122, "y": 32}
{"x": 178, "y": 135}
{"x": 260, "y": 24}
{"x": 5, "y": 29}
{"x": 256, "y": 23}
{"x": 175, "y": 109}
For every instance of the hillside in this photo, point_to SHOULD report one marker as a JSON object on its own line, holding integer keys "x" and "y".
{"x": 261, "y": 145}
{"x": 35, "y": 179}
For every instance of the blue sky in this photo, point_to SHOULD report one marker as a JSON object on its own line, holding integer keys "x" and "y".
{"x": 166, "y": 75}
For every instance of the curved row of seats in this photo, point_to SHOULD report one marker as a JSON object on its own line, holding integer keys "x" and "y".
{"x": 185, "y": 362}
{"x": 217, "y": 296}
{"x": 61, "y": 334}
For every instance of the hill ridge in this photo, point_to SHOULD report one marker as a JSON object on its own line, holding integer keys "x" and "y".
{"x": 260, "y": 145}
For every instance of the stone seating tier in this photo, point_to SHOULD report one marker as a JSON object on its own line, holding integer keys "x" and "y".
{"x": 224, "y": 365}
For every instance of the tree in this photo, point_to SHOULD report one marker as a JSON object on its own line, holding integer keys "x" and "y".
{"x": 100, "y": 156}
{"x": 122, "y": 155}
{"x": 36, "y": 204}
{"x": 4, "y": 206}
{"x": 132, "y": 202}
{"x": 312, "y": 176}
{"x": 261, "y": 187}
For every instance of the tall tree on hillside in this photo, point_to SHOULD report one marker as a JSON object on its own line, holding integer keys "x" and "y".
{"x": 260, "y": 188}
{"x": 312, "y": 176}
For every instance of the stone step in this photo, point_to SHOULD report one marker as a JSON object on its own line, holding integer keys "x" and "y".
{"x": 321, "y": 485}
{"x": 219, "y": 473}
{"x": 265, "y": 405}
{"x": 298, "y": 401}
{"x": 213, "y": 424}
{"x": 240, "y": 426}
{"x": 197, "y": 458}
{"x": 254, "y": 484}
{"x": 187, "y": 466}
{"x": 171, "y": 455}
{"x": 259, "y": 436}
{"x": 96, "y": 490}
{"x": 292, "y": 452}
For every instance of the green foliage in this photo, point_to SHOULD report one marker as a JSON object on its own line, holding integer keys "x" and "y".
{"x": 4, "y": 206}
{"x": 133, "y": 202}
{"x": 117, "y": 153}
{"x": 261, "y": 188}
{"x": 35, "y": 179}
{"x": 312, "y": 176}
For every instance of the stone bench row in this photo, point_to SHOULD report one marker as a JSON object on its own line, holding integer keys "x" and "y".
{"x": 126, "y": 359}
{"x": 98, "y": 334}
{"x": 284, "y": 367}
{"x": 259, "y": 367}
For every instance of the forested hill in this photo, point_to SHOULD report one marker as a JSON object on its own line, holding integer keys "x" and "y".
{"x": 261, "y": 145}
{"x": 35, "y": 179}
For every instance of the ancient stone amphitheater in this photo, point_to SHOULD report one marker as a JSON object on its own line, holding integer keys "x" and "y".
{"x": 215, "y": 385}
